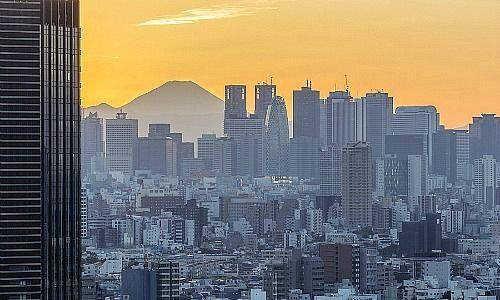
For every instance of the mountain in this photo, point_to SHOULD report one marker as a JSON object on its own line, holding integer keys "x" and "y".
{"x": 185, "y": 105}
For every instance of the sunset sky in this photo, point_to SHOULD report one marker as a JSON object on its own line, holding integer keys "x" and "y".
{"x": 441, "y": 52}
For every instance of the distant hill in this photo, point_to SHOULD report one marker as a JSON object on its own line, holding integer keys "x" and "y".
{"x": 185, "y": 105}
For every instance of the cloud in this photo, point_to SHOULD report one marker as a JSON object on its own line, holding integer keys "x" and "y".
{"x": 194, "y": 15}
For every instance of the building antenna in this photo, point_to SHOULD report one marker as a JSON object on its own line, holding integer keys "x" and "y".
{"x": 346, "y": 84}
{"x": 271, "y": 80}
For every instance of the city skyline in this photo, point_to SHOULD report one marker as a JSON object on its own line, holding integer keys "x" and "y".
{"x": 407, "y": 46}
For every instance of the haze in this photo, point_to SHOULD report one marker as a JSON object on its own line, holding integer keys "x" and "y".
{"x": 442, "y": 52}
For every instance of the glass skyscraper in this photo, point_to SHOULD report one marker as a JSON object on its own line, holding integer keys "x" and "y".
{"x": 39, "y": 149}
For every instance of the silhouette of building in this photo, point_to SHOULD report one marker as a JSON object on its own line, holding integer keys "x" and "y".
{"x": 485, "y": 136}
{"x": 306, "y": 112}
{"x": 340, "y": 121}
{"x": 235, "y": 102}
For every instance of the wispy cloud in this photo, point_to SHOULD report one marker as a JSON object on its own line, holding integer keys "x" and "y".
{"x": 194, "y": 15}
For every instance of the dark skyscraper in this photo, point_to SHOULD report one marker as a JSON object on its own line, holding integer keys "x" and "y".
{"x": 306, "y": 113}
{"x": 39, "y": 149}
{"x": 485, "y": 136}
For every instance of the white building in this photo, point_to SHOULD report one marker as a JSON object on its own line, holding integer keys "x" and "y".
{"x": 440, "y": 270}
{"x": 121, "y": 136}
{"x": 83, "y": 213}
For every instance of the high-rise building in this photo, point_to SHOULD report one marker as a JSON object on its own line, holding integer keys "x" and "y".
{"x": 463, "y": 155}
{"x": 264, "y": 96}
{"x": 235, "y": 102}
{"x": 219, "y": 154}
{"x": 84, "y": 213}
{"x": 330, "y": 171}
{"x": 276, "y": 139}
{"x": 158, "y": 154}
{"x": 92, "y": 141}
{"x": 304, "y": 157}
{"x": 422, "y": 120}
{"x": 485, "y": 181}
{"x": 485, "y": 136}
{"x": 40, "y": 149}
{"x": 159, "y": 130}
{"x": 374, "y": 114}
{"x": 121, "y": 139}
{"x": 306, "y": 112}
{"x": 248, "y": 134}
{"x": 340, "y": 121}
{"x": 417, "y": 176}
{"x": 357, "y": 184}
{"x": 444, "y": 153}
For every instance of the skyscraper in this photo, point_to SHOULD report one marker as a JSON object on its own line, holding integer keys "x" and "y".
{"x": 235, "y": 106}
{"x": 485, "y": 180}
{"x": 92, "y": 141}
{"x": 277, "y": 138}
{"x": 330, "y": 171}
{"x": 306, "y": 112}
{"x": 357, "y": 184}
{"x": 340, "y": 122}
{"x": 121, "y": 139}
{"x": 417, "y": 120}
{"x": 485, "y": 136}
{"x": 264, "y": 96}
{"x": 374, "y": 120}
{"x": 40, "y": 149}
{"x": 158, "y": 154}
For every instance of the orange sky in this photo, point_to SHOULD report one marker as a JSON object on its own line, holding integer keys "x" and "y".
{"x": 441, "y": 52}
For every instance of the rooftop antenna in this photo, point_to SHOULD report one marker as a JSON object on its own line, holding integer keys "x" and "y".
{"x": 346, "y": 84}
{"x": 271, "y": 80}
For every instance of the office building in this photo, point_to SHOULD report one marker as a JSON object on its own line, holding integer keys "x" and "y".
{"x": 485, "y": 181}
{"x": 84, "y": 213}
{"x": 157, "y": 154}
{"x": 264, "y": 96}
{"x": 40, "y": 150}
{"x": 485, "y": 136}
{"x": 121, "y": 139}
{"x": 423, "y": 120}
{"x": 421, "y": 237}
{"x": 444, "y": 153}
{"x": 340, "y": 120}
{"x": 219, "y": 154}
{"x": 248, "y": 134}
{"x": 235, "y": 106}
{"x": 374, "y": 121}
{"x": 357, "y": 184}
{"x": 306, "y": 112}
{"x": 276, "y": 139}
{"x": 417, "y": 176}
{"x": 92, "y": 141}
{"x": 304, "y": 157}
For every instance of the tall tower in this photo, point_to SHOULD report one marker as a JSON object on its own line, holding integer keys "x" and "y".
{"x": 92, "y": 141}
{"x": 121, "y": 138}
{"x": 357, "y": 184}
{"x": 40, "y": 149}
{"x": 235, "y": 106}
{"x": 306, "y": 112}
{"x": 485, "y": 180}
{"x": 264, "y": 96}
{"x": 277, "y": 138}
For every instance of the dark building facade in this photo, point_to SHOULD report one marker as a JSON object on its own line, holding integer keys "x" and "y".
{"x": 39, "y": 149}
{"x": 421, "y": 237}
{"x": 306, "y": 112}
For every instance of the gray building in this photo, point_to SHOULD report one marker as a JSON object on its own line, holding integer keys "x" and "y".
{"x": 357, "y": 184}
{"x": 235, "y": 106}
{"x": 158, "y": 154}
{"x": 340, "y": 121}
{"x": 306, "y": 112}
{"x": 276, "y": 139}
{"x": 264, "y": 96}
{"x": 374, "y": 114}
{"x": 330, "y": 171}
{"x": 92, "y": 141}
